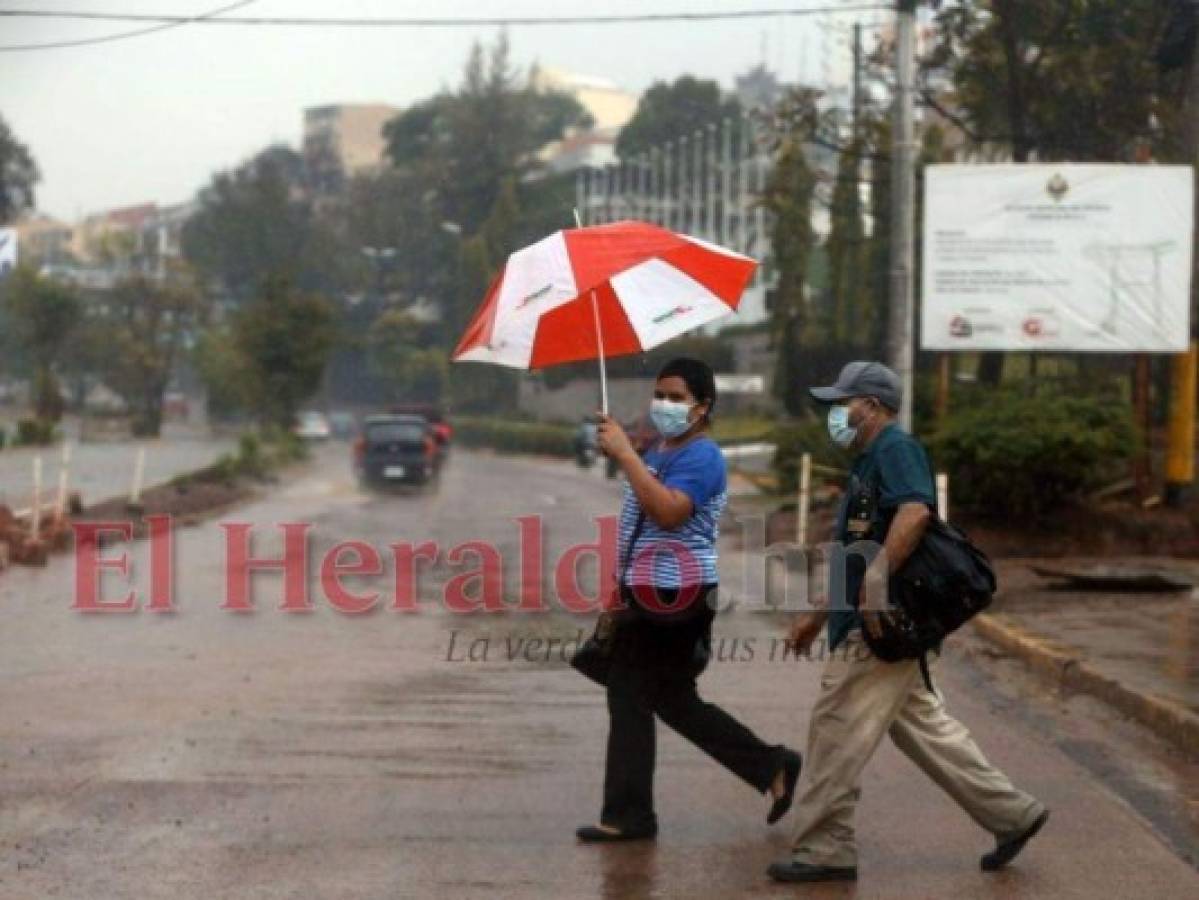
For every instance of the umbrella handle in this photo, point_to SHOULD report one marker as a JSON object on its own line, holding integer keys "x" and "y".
{"x": 599, "y": 337}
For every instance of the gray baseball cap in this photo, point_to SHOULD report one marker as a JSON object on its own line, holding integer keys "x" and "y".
{"x": 863, "y": 379}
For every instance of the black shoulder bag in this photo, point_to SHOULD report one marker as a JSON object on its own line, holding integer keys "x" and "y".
{"x": 945, "y": 582}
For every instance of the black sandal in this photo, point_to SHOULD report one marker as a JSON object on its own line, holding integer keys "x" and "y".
{"x": 1005, "y": 852}
{"x": 593, "y": 834}
{"x": 792, "y": 763}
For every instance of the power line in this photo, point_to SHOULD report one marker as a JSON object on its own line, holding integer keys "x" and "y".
{"x": 164, "y": 23}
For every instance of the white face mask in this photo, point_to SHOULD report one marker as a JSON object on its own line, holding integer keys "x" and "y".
{"x": 839, "y": 429}
{"x": 669, "y": 417}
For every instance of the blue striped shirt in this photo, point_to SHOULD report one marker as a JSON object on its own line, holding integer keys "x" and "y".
{"x": 672, "y": 558}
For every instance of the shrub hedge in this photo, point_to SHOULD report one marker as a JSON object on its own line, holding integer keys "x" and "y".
{"x": 514, "y": 436}
{"x": 1021, "y": 454}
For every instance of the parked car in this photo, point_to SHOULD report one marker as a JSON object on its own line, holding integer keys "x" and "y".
{"x": 343, "y": 424}
{"x": 312, "y": 426}
{"x": 396, "y": 449}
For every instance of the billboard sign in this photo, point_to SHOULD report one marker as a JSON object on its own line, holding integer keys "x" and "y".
{"x": 1057, "y": 257}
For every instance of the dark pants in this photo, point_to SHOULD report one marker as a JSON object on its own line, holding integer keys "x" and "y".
{"x": 652, "y": 674}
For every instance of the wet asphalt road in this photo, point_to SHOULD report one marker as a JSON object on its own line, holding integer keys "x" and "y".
{"x": 104, "y": 469}
{"x": 208, "y": 754}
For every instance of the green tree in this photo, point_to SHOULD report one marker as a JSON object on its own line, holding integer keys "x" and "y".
{"x": 388, "y": 209}
{"x": 18, "y": 175}
{"x": 877, "y": 132}
{"x": 846, "y": 249}
{"x": 475, "y": 387}
{"x": 223, "y": 370}
{"x": 412, "y": 266}
{"x": 475, "y": 190}
{"x": 1104, "y": 92}
{"x": 1097, "y": 56}
{"x": 789, "y": 191}
{"x": 667, "y": 112}
{"x": 40, "y": 316}
{"x": 401, "y": 351}
{"x": 501, "y": 230}
{"x": 463, "y": 145}
{"x": 283, "y": 338}
{"x": 257, "y": 221}
{"x": 138, "y": 331}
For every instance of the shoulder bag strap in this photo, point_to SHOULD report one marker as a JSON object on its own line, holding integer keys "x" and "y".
{"x": 639, "y": 526}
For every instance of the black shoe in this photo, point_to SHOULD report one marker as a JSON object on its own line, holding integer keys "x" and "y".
{"x": 792, "y": 762}
{"x": 1005, "y": 852}
{"x": 793, "y": 871}
{"x": 595, "y": 835}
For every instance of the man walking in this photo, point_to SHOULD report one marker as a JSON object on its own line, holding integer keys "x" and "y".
{"x": 889, "y": 501}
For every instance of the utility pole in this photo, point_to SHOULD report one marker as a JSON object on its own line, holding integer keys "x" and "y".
{"x": 653, "y": 213}
{"x": 647, "y": 185}
{"x": 726, "y": 183}
{"x": 900, "y": 318}
{"x": 610, "y": 194}
{"x": 710, "y": 225}
{"x": 593, "y": 182}
{"x": 581, "y": 199}
{"x": 683, "y": 185}
{"x": 622, "y": 190}
{"x": 667, "y": 188}
{"x": 856, "y": 100}
{"x": 1180, "y": 438}
{"x": 742, "y": 203}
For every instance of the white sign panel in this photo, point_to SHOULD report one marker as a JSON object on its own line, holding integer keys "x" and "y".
{"x": 1057, "y": 257}
{"x": 8, "y": 250}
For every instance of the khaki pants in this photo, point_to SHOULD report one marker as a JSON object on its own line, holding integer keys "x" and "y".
{"x": 861, "y": 699}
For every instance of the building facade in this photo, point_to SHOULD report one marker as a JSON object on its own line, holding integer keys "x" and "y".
{"x": 343, "y": 140}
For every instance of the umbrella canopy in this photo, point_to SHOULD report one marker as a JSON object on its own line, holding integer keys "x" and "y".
{"x": 623, "y": 287}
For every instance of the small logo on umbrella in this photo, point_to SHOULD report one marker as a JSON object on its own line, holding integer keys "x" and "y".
{"x": 536, "y": 295}
{"x": 671, "y": 313}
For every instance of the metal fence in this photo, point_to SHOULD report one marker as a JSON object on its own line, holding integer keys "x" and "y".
{"x": 708, "y": 185}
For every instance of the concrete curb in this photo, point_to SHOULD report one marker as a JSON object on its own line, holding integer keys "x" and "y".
{"x": 1064, "y": 667}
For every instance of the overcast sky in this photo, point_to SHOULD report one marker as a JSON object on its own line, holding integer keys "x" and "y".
{"x": 151, "y": 118}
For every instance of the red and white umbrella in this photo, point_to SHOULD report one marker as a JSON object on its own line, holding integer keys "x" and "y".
{"x": 601, "y": 291}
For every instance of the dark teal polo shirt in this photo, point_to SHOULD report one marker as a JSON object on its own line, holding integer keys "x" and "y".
{"x": 897, "y": 463}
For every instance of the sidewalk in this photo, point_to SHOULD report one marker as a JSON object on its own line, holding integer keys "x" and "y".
{"x": 1137, "y": 651}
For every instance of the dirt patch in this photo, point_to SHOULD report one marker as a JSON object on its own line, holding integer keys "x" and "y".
{"x": 1110, "y": 530}
{"x": 187, "y": 501}
{"x": 1106, "y": 531}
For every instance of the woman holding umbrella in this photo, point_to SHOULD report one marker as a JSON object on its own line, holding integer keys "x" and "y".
{"x": 668, "y": 529}
{"x": 609, "y": 290}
